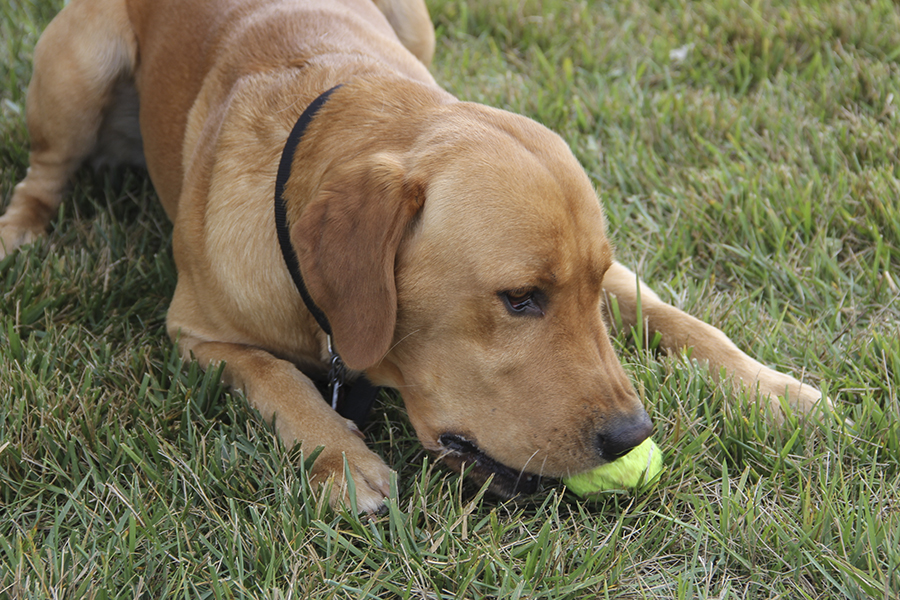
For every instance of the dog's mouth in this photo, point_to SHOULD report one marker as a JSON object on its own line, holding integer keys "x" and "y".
{"x": 461, "y": 454}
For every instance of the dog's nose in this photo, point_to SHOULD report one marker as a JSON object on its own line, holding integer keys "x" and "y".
{"x": 623, "y": 434}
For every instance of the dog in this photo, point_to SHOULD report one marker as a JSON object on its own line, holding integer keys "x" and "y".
{"x": 451, "y": 251}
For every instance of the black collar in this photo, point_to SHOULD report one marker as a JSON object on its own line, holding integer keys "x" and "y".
{"x": 352, "y": 400}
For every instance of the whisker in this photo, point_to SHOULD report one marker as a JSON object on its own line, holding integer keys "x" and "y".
{"x": 397, "y": 344}
{"x": 411, "y": 333}
{"x": 527, "y": 462}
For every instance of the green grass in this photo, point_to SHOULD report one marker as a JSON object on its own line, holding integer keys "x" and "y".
{"x": 748, "y": 157}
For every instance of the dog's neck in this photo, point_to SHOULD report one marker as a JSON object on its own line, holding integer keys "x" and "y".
{"x": 281, "y": 224}
{"x": 352, "y": 400}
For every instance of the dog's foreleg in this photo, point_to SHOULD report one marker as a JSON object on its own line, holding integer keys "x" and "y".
{"x": 77, "y": 62}
{"x": 281, "y": 393}
{"x": 680, "y": 332}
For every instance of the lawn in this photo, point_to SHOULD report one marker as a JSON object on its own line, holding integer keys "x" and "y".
{"x": 747, "y": 155}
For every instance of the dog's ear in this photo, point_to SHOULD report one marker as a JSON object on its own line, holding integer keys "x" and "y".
{"x": 346, "y": 242}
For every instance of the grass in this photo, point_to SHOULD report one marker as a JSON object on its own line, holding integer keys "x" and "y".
{"x": 747, "y": 154}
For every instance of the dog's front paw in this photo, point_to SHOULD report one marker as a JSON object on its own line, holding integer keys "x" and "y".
{"x": 12, "y": 235}
{"x": 26, "y": 219}
{"x": 801, "y": 397}
{"x": 371, "y": 478}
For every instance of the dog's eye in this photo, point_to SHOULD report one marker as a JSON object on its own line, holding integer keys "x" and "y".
{"x": 522, "y": 302}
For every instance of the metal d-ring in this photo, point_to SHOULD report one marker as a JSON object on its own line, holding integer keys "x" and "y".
{"x": 337, "y": 374}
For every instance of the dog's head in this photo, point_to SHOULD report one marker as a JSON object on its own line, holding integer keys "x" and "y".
{"x": 464, "y": 268}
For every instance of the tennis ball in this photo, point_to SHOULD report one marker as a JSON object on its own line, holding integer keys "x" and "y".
{"x": 624, "y": 472}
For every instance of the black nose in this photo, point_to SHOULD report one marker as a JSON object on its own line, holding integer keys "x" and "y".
{"x": 623, "y": 434}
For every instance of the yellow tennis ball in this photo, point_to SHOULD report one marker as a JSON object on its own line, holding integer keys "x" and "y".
{"x": 624, "y": 472}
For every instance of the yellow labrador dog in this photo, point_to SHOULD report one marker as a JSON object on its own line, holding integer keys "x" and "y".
{"x": 453, "y": 251}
